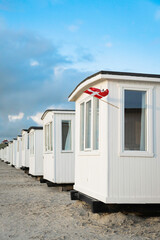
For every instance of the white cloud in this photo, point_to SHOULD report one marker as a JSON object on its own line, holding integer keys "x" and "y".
{"x": 36, "y": 118}
{"x": 73, "y": 28}
{"x": 59, "y": 106}
{"x": 34, "y": 63}
{"x": 157, "y": 15}
{"x": 109, "y": 44}
{"x": 13, "y": 118}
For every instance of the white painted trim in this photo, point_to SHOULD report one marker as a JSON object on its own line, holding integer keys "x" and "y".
{"x": 120, "y": 200}
{"x": 133, "y": 200}
{"x": 90, "y": 193}
{"x": 89, "y": 151}
{"x": 102, "y": 77}
{"x": 71, "y": 150}
{"x": 149, "y": 151}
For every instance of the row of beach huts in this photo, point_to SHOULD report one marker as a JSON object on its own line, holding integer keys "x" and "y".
{"x": 46, "y": 152}
{"x": 108, "y": 148}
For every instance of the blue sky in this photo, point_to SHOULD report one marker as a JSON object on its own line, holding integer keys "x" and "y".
{"x": 48, "y": 46}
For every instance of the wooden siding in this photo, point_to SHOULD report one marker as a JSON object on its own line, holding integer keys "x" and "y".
{"x": 109, "y": 176}
{"x": 58, "y": 166}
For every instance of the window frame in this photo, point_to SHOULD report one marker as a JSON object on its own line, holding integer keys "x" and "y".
{"x": 71, "y": 124}
{"x": 149, "y": 124}
{"x": 49, "y": 144}
{"x": 88, "y": 150}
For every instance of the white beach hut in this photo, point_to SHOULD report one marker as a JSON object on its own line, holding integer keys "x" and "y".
{"x": 14, "y": 151}
{"x": 25, "y": 149}
{"x": 117, "y": 150}
{"x": 11, "y": 152}
{"x": 35, "y": 151}
{"x": 2, "y": 154}
{"x": 58, "y": 146}
{"x": 19, "y": 152}
{"x": 6, "y": 154}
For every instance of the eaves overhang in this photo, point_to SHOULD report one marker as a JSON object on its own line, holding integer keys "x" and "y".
{"x": 111, "y": 75}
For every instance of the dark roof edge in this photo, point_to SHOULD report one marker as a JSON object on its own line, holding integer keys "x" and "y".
{"x": 117, "y": 73}
{"x": 26, "y": 130}
{"x": 34, "y": 127}
{"x": 56, "y": 110}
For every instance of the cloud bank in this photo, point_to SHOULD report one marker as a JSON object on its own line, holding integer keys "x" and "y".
{"x": 13, "y": 118}
{"x": 33, "y": 76}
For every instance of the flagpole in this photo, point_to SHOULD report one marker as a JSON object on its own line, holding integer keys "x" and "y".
{"x": 109, "y": 103}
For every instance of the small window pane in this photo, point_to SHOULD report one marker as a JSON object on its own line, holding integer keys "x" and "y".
{"x": 82, "y": 127}
{"x": 88, "y": 125}
{"x": 51, "y": 137}
{"x": 96, "y": 124}
{"x": 135, "y": 120}
{"x": 66, "y": 135}
{"x": 46, "y": 137}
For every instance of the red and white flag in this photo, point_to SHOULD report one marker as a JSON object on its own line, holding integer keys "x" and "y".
{"x": 95, "y": 92}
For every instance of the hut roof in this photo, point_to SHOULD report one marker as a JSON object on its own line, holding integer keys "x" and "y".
{"x": 111, "y": 75}
{"x": 56, "y": 110}
{"x": 35, "y": 128}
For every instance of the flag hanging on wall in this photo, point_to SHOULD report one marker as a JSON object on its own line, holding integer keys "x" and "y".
{"x": 96, "y": 92}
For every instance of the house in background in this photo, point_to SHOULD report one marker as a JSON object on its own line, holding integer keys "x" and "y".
{"x": 19, "y": 152}
{"x": 25, "y": 149}
{"x": 35, "y": 151}
{"x": 58, "y": 146}
{"x": 117, "y": 150}
{"x": 14, "y": 151}
{"x": 10, "y": 152}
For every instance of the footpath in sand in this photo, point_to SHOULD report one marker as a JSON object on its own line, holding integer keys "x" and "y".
{"x": 31, "y": 210}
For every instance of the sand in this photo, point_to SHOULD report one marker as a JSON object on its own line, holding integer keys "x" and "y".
{"x": 31, "y": 210}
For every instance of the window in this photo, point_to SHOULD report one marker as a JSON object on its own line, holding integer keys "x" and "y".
{"x": 136, "y": 129}
{"x": 82, "y": 126}
{"x": 89, "y": 125}
{"x": 96, "y": 124}
{"x": 135, "y": 120}
{"x": 48, "y": 137}
{"x": 31, "y": 143}
{"x": 66, "y": 135}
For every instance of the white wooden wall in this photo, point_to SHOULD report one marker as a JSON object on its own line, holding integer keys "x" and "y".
{"x": 58, "y": 166}
{"x": 11, "y": 153}
{"x": 14, "y": 152}
{"x": 91, "y": 175}
{"x": 133, "y": 179}
{"x": 19, "y": 153}
{"x": 25, "y": 151}
{"x": 36, "y": 159}
{"x": 64, "y": 161}
{"x": 49, "y": 156}
{"x": 107, "y": 175}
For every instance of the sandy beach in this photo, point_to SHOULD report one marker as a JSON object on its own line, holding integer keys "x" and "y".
{"x": 31, "y": 210}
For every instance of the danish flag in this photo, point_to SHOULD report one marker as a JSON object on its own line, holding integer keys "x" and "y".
{"x": 95, "y": 92}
